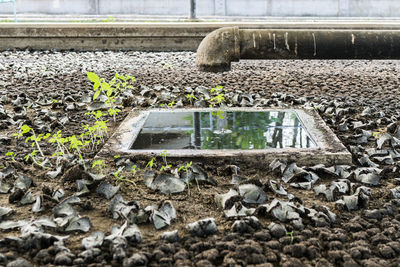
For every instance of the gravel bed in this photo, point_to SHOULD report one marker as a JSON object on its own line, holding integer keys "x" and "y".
{"x": 287, "y": 215}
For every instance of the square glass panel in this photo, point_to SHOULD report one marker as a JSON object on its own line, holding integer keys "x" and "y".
{"x": 245, "y": 130}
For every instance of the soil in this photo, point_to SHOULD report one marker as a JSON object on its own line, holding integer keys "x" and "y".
{"x": 341, "y": 91}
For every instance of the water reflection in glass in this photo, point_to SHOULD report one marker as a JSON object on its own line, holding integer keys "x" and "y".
{"x": 222, "y": 130}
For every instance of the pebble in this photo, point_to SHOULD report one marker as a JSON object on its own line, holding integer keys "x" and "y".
{"x": 137, "y": 259}
{"x": 172, "y": 236}
{"x": 20, "y": 262}
{"x": 64, "y": 258}
{"x": 277, "y": 230}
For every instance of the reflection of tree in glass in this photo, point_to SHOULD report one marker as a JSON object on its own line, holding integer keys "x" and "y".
{"x": 277, "y": 135}
{"x": 244, "y": 130}
{"x": 239, "y": 130}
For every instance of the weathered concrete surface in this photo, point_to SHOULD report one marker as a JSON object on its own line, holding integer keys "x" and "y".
{"x": 328, "y": 151}
{"x": 142, "y": 36}
{"x": 217, "y": 51}
{"x": 316, "y": 8}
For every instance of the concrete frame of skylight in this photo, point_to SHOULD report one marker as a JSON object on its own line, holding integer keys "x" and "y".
{"x": 329, "y": 150}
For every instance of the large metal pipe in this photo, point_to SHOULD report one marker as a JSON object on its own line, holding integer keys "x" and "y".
{"x": 219, "y": 48}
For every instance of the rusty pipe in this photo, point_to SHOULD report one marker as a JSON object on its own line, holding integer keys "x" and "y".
{"x": 223, "y": 46}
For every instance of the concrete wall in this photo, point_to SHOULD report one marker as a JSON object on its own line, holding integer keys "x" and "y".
{"x": 330, "y": 8}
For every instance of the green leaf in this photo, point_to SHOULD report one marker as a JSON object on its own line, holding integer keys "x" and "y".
{"x": 105, "y": 86}
{"x": 25, "y": 128}
{"x": 109, "y": 91}
{"x": 93, "y": 77}
{"x": 96, "y": 86}
{"x": 96, "y": 94}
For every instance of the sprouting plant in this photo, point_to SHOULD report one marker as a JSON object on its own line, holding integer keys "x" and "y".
{"x": 134, "y": 169}
{"x": 168, "y": 66}
{"x": 97, "y": 115}
{"x": 218, "y": 99}
{"x": 185, "y": 168}
{"x": 169, "y": 105}
{"x": 216, "y": 89}
{"x": 151, "y": 163}
{"x": 32, "y": 156}
{"x": 376, "y": 134}
{"x": 35, "y": 139}
{"x": 95, "y": 132}
{"x": 99, "y": 165}
{"x": 12, "y": 155}
{"x": 166, "y": 166}
{"x": 117, "y": 156}
{"x": 77, "y": 146}
{"x": 188, "y": 184}
{"x": 121, "y": 178}
{"x": 291, "y": 236}
{"x": 53, "y": 101}
{"x": 164, "y": 155}
{"x": 113, "y": 112}
{"x": 191, "y": 98}
{"x": 111, "y": 89}
{"x": 60, "y": 141}
{"x": 117, "y": 175}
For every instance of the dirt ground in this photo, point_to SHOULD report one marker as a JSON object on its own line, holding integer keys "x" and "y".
{"x": 358, "y": 100}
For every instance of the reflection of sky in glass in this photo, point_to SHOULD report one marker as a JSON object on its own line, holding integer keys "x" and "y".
{"x": 222, "y": 130}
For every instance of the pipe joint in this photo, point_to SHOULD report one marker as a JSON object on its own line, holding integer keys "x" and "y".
{"x": 218, "y": 49}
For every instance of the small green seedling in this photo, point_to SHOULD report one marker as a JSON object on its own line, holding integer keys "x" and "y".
{"x": 12, "y": 155}
{"x": 191, "y": 98}
{"x": 168, "y": 66}
{"x": 218, "y": 99}
{"x": 121, "y": 178}
{"x": 164, "y": 155}
{"x": 291, "y": 236}
{"x": 32, "y": 156}
{"x": 117, "y": 156}
{"x": 169, "y": 105}
{"x": 60, "y": 141}
{"x": 216, "y": 89}
{"x": 151, "y": 163}
{"x": 99, "y": 165}
{"x": 188, "y": 184}
{"x": 185, "y": 168}
{"x": 134, "y": 169}
{"x": 77, "y": 146}
{"x": 35, "y": 139}
{"x": 165, "y": 167}
{"x": 110, "y": 89}
{"x": 376, "y": 134}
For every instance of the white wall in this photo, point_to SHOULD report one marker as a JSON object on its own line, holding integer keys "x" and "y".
{"x": 315, "y": 8}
